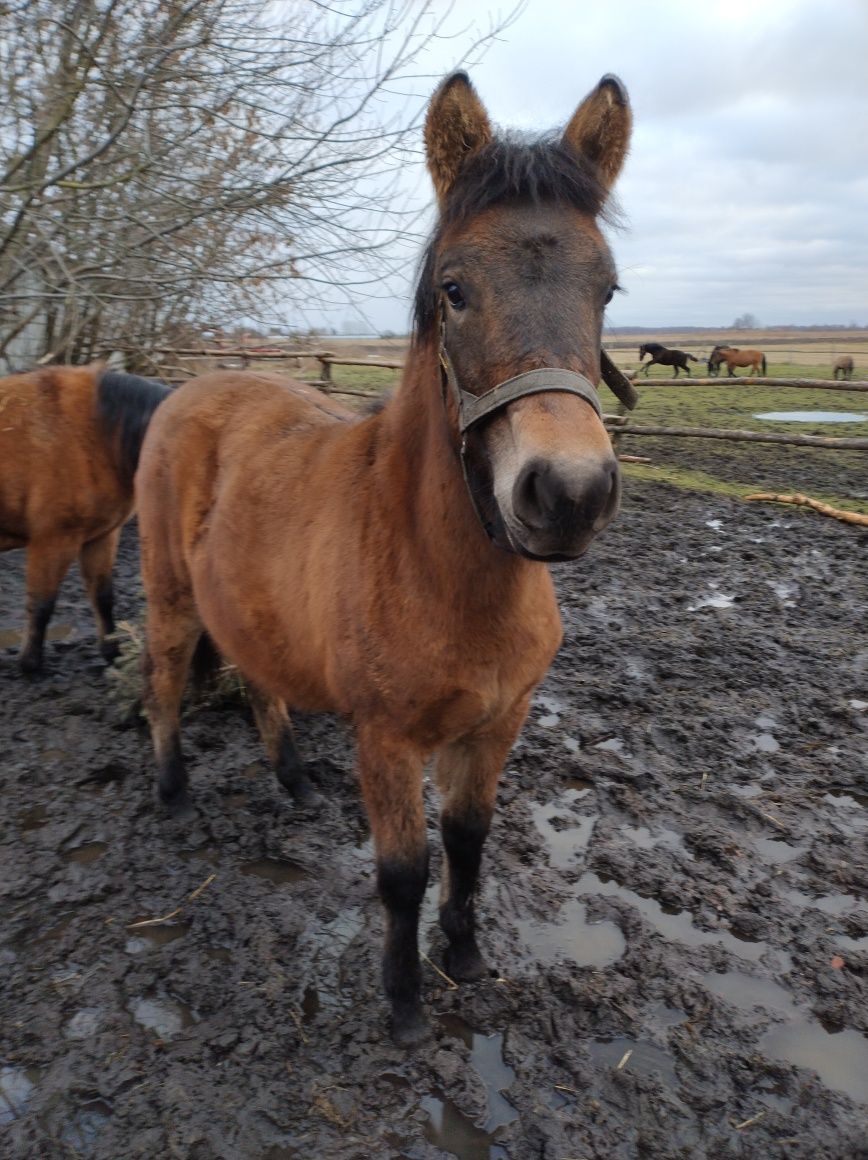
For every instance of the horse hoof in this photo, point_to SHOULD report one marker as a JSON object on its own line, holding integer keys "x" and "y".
{"x": 465, "y": 965}
{"x": 410, "y": 1028}
{"x": 178, "y": 806}
{"x": 308, "y": 799}
{"x": 30, "y": 663}
{"x": 110, "y": 651}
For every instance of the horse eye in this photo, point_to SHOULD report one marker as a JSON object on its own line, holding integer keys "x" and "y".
{"x": 609, "y": 296}
{"x": 453, "y": 292}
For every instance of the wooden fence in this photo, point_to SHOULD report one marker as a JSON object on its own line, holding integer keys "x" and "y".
{"x": 618, "y": 425}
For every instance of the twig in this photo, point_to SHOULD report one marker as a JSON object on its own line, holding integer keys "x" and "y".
{"x": 442, "y": 975}
{"x": 747, "y": 1123}
{"x": 174, "y": 914}
{"x": 625, "y": 1059}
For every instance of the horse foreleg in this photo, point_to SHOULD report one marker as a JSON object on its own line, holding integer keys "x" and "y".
{"x": 173, "y": 630}
{"x": 391, "y": 778}
{"x": 47, "y": 563}
{"x": 467, "y": 773}
{"x": 96, "y": 560}
{"x": 275, "y": 728}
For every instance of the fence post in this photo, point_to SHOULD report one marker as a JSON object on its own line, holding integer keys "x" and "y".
{"x": 325, "y": 359}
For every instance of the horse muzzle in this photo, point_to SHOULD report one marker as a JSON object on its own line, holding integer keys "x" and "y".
{"x": 553, "y": 510}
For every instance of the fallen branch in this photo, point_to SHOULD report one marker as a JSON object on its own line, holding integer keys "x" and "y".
{"x": 806, "y": 501}
{"x": 634, "y": 459}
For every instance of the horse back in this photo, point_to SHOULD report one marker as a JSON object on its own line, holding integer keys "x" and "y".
{"x": 57, "y": 469}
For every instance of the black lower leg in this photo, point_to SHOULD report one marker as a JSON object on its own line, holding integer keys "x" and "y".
{"x": 172, "y": 777}
{"x": 41, "y": 613}
{"x": 104, "y": 599}
{"x": 402, "y": 887}
{"x": 292, "y": 772}
{"x": 463, "y": 839}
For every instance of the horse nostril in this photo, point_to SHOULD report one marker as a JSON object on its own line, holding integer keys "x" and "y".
{"x": 544, "y": 497}
{"x": 535, "y": 495}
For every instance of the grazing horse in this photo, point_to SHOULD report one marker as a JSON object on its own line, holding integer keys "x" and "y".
{"x": 665, "y": 357}
{"x": 844, "y": 367}
{"x": 733, "y": 357}
{"x": 69, "y": 445}
{"x": 392, "y": 567}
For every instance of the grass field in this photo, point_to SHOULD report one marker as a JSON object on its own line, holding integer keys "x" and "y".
{"x": 838, "y": 477}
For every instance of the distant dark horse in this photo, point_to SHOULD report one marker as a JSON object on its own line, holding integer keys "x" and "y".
{"x": 69, "y": 446}
{"x": 665, "y": 357}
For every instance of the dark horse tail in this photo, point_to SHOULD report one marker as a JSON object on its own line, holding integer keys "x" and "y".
{"x": 693, "y": 358}
{"x": 764, "y": 364}
{"x": 125, "y": 404}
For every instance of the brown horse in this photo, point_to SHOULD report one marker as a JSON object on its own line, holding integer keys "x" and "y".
{"x": 733, "y": 357}
{"x": 843, "y": 367}
{"x": 392, "y": 568}
{"x": 69, "y": 444}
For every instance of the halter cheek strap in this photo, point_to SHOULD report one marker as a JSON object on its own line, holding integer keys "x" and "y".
{"x": 472, "y": 409}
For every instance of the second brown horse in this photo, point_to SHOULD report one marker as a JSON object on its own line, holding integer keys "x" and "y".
{"x": 734, "y": 357}
{"x": 69, "y": 445}
{"x": 393, "y": 568}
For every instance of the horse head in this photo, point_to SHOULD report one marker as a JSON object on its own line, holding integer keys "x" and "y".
{"x": 513, "y": 290}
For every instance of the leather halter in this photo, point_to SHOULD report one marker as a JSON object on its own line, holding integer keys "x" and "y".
{"x": 472, "y": 409}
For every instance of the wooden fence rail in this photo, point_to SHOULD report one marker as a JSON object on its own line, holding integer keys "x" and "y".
{"x": 739, "y": 381}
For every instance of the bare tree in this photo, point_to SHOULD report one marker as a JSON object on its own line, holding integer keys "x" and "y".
{"x": 746, "y": 321}
{"x": 171, "y": 163}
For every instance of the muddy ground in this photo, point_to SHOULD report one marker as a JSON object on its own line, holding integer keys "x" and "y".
{"x": 676, "y": 891}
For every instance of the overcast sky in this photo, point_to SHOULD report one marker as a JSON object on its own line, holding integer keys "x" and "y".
{"x": 746, "y": 188}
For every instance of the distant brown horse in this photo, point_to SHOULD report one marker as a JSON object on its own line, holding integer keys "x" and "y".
{"x": 666, "y": 356}
{"x": 733, "y": 357}
{"x": 69, "y": 444}
{"x": 392, "y": 568}
{"x": 843, "y": 367}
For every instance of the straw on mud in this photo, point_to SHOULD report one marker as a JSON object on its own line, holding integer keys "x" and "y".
{"x": 293, "y": 1014}
{"x": 442, "y": 975}
{"x": 773, "y": 819}
{"x": 747, "y": 1123}
{"x": 562, "y": 1087}
{"x": 625, "y": 1058}
{"x": 174, "y": 914}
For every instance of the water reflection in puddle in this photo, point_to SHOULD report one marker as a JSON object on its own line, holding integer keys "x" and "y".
{"x": 849, "y": 799}
{"x": 165, "y": 1017}
{"x": 148, "y": 937}
{"x": 83, "y": 1129}
{"x": 812, "y": 416}
{"x": 16, "y": 1089}
{"x": 33, "y": 819}
{"x": 840, "y": 1058}
{"x": 448, "y": 1128}
{"x": 565, "y": 834}
{"x": 777, "y": 852}
{"x": 86, "y": 853}
{"x": 276, "y": 870}
{"x": 835, "y": 904}
{"x": 644, "y": 1058}
{"x": 587, "y": 944}
{"x": 14, "y": 637}
{"x": 675, "y": 926}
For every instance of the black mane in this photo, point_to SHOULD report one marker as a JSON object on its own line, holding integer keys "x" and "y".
{"x": 509, "y": 169}
{"x": 125, "y": 404}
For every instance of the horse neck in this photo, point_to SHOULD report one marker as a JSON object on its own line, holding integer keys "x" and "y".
{"x": 423, "y": 483}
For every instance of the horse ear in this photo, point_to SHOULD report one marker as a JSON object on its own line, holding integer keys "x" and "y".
{"x": 600, "y": 128}
{"x": 456, "y": 127}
